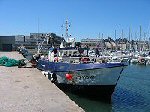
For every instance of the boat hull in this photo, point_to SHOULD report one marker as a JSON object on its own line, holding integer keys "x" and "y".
{"x": 84, "y": 74}
{"x": 95, "y": 92}
{"x": 98, "y": 76}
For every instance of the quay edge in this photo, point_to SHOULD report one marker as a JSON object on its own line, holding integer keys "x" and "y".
{"x": 26, "y": 89}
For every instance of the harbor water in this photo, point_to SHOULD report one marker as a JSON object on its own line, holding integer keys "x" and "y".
{"x": 132, "y": 93}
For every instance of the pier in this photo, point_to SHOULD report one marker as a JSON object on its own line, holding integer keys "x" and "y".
{"x": 27, "y": 90}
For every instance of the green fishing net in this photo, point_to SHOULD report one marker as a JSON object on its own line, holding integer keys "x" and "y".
{"x": 5, "y": 61}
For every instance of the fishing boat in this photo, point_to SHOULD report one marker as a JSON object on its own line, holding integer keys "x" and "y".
{"x": 72, "y": 68}
{"x": 83, "y": 74}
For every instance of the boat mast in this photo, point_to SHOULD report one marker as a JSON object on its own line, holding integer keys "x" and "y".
{"x": 99, "y": 43}
{"x": 102, "y": 42}
{"x": 115, "y": 39}
{"x": 129, "y": 38}
{"x": 122, "y": 40}
{"x": 37, "y": 38}
{"x": 144, "y": 41}
{"x": 38, "y": 28}
{"x": 129, "y": 33}
{"x": 140, "y": 33}
{"x": 67, "y": 25}
{"x": 66, "y": 36}
{"x": 137, "y": 45}
{"x": 140, "y": 39}
{"x": 115, "y": 34}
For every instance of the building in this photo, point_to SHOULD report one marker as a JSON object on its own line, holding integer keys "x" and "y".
{"x": 21, "y": 38}
{"x": 93, "y": 43}
{"x": 32, "y": 42}
{"x": 38, "y": 35}
{"x": 7, "y": 43}
{"x": 142, "y": 45}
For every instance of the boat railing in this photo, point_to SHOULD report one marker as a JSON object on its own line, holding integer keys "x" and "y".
{"x": 83, "y": 59}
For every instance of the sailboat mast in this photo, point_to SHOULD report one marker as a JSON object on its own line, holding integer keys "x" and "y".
{"x": 129, "y": 38}
{"x": 140, "y": 38}
{"x": 98, "y": 41}
{"x": 144, "y": 41}
{"x": 115, "y": 39}
{"x": 129, "y": 34}
{"x": 122, "y": 39}
{"x": 115, "y": 34}
{"x": 140, "y": 33}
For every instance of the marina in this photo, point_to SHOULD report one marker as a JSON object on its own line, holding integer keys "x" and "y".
{"x": 83, "y": 74}
{"x": 117, "y": 95}
{"x": 128, "y": 93}
{"x": 131, "y": 91}
{"x": 74, "y": 56}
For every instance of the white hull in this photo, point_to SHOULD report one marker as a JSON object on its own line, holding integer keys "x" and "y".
{"x": 102, "y": 76}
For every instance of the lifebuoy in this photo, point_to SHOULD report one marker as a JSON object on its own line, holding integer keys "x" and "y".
{"x": 85, "y": 60}
{"x": 142, "y": 60}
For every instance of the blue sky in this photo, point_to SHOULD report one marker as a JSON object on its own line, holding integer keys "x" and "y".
{"x": 88, "y": 17}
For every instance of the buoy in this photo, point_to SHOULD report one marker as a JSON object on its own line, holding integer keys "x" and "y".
{"x": 69, "y": 76}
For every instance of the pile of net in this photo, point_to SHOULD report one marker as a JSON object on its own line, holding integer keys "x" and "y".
{"x": 5, "y": 61}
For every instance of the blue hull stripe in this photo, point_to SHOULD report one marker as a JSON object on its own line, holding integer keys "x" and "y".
{"x": 64, "y": 67}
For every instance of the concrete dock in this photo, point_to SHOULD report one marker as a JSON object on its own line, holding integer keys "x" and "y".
{"x": 27, "y": 90}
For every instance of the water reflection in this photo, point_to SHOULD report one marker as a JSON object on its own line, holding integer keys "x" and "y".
{"x": 91, "y": 104}
{"x": 89, "y": 100}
